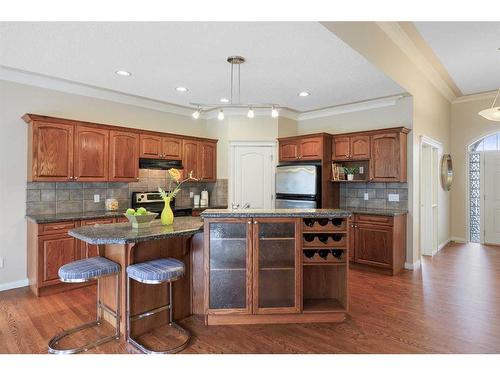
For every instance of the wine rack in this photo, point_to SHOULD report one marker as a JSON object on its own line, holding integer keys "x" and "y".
{"x": 325, "y": 260}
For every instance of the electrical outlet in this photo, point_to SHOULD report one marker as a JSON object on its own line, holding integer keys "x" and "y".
{"x": 1, "y": 262}
{"x": 97, "y": 198}
{"x": 191, "y": 194}
{"x": 362, "y": 171}
{"x": 366, "y": 196}
{"x": 393, "y": 197}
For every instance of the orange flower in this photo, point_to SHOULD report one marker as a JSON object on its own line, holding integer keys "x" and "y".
{"x": 175, "y": 174}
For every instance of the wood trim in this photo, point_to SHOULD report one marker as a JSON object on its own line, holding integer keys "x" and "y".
{"x": 332, "y": 317}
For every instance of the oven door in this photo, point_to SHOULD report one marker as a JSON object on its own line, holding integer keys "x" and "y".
{"x": 294, "y": 203}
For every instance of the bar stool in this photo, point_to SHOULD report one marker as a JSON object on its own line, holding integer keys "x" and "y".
{"x": 158, "y": 271}
{"x": 81, "y": 271}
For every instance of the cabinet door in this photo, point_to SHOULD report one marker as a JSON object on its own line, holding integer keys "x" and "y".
{"x": 190, "y": 159}
{"x": 276, "y": 266}
{"x": 123, "y": 156}
{"x": 360, "y": 147}
{"x": 373, "y": 245}
{"x": 385, "y": 157}
{"x": 52, "y": 149}
{"x": 208, "y": 161}
{"x": 171, "y": 148}
{"x": 311, "y": 149}
{"x": 55, "y": 251}
{"x": 352, "y": 241}
{"x": 228, "y": 261}
{"x": 87, "y": 250}
{"x": 150, "y": 146}
{"x": 288, "y": 150}
{"x": 91, "y": 154}
{"x": 341, "y": 148}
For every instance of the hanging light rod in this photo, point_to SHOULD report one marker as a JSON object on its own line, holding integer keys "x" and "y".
{"x": 235, "y": 62}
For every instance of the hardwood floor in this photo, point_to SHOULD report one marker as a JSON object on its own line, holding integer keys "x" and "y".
{"x": 450, "y": 305}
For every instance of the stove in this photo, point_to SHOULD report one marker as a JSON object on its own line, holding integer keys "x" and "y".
{"x": 152, "y": 201}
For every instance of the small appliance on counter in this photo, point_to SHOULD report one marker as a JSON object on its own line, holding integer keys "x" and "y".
{"x": 204, "y": 199}
{"x": 153, "y": 202}
{"x": 196, "y": 200}
{"x": 298, "y": 186}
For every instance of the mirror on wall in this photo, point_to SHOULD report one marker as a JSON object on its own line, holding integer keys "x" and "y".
{"x": 446, "y": 172}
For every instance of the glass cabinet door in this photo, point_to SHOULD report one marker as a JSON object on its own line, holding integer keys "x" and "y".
{"x": 276, "y": 266}
{"x": 229, "y": 263}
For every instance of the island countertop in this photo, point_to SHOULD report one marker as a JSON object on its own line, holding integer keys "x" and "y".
{"x": 278, "y": 212}
{"x": 123, "y": 233}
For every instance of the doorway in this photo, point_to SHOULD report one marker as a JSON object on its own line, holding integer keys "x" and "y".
{"x": 252, "y": 171}
{"x": 430, "y": 153}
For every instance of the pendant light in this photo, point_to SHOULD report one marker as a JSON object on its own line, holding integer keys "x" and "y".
{"x": 492, "y": 113}
{"x": 236, "y": 62}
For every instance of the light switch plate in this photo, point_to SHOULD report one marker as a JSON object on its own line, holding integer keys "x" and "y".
{"x": 191, "y": 194}
{"x": 366, "y": 196}
{"x": 393, "y": 197}
{"x": 97, "y": 198}
{"x": 361, "y": 170}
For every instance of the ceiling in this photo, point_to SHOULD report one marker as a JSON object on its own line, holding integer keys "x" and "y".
{"x": 469, "y": 51}
{"x": 283, "y": 58}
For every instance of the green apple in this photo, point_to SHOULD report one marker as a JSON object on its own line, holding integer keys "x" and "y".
{"x": 137, "y": 214}
{"x": 130, "y": 211}
{"x": 142, "y": 211}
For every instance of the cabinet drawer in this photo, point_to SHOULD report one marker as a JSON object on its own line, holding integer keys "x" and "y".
{"x": 98, "y": 221}
{"x": 374, "y": 219}
{"x": 61, "y": 227}
{"x": 121, "y": 220}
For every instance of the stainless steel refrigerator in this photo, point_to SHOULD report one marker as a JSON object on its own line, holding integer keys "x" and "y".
{"x": 298, "y": 186}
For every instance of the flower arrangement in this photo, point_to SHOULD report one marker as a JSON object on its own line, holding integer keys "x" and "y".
{"x": 167, "y": 216}
{"x": 351, "y": 170}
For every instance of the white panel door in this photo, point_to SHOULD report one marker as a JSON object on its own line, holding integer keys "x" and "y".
{"x": 253, "y": 173}
{"x": 492, "y": 197}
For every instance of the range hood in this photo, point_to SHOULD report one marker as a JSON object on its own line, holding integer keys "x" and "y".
{"x": 159, "y": 164}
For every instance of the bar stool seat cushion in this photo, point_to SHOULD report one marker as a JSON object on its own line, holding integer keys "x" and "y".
{"x": 157, "y": 270}
{"x": 87, "y": 269}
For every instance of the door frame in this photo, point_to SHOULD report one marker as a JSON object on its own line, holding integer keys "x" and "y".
{"x": 426, "y": 141}
{"x": 232, "y": 156}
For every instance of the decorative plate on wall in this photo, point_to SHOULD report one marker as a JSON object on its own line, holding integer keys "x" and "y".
{"x": 446, "y": 172}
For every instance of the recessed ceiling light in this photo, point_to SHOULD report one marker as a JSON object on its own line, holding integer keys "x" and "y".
{"x": 123, "y": 73}
{"x": 303, "y": 93}
{"x": 224, "y": 100}
{"x": 181, "y": 89}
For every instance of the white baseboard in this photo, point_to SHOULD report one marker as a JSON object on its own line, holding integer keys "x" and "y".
{"x": 458, "y": 239}
{"x": 14, "y": 284}
{"x": 412, "y": 266}
{"x": 440, "y": 246}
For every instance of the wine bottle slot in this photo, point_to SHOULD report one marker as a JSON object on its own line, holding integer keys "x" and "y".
{"x": 309, "y": 253}
{"x": 323, "y": 238}
{"x": 323, "y": 222}
{"x": 337, "y": 222}
{"x": 309, "y": 222}
{"x": 336, "y": 237}
{"x": 323, "y": 253}
{"x": 309, "y": 237}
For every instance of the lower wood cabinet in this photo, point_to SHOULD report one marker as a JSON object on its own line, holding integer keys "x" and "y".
{"x": 50, "y": 247}
{"x": 379, "y": 242}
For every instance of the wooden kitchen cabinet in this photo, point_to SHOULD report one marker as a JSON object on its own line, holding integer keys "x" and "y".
{"x": 301, "y": 148}
{"x": 355, "y": 147}
{"x": 123, "y": 156}
{"x": 55, "y": 251}
{"x": 388, "y": 157}
{"x": 50, "y": 151}
{"x": 190, "y": 157}
{"x": 207, "y": 163}
{"x": 91, "y": 147}
{"x": 158, "y": 147}
{"x": 379, "y": 242}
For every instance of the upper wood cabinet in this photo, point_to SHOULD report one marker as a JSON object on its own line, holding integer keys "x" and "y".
{"x": 207, "y": 161}
{"x": 190, "y": 150}
{"x": 356, "y": 147}
{"x": 91, "y": 154}
{"x": 157, "y": 147}
{"x": 301, "y": 148}
{"x": 50, "y": 148}
{"x": 388, "y": 157}
{"x": 123, "y": 156}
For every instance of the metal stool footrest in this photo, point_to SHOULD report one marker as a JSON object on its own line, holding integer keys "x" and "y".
{"x": 52, "y": 346}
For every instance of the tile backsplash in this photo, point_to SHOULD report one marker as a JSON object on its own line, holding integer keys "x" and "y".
{"x": 352, "y": 195}
{"x": 70, "y": 197}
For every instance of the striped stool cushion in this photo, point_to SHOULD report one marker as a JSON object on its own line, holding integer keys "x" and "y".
{"x": 158, "y": 270}
{"x": 86, "y": 269}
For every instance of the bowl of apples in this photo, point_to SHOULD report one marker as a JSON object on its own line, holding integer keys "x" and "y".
{"x": 140, "y": 218}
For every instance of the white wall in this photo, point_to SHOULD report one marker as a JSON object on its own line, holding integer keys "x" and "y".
{"x": 15, "y": 101}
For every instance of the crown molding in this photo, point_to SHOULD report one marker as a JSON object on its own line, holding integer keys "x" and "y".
{"x": 401, "y": 38}
{"x": 52, "y": 83}
{"x": 474, "y": 97}
{"x": 352, "y": 107}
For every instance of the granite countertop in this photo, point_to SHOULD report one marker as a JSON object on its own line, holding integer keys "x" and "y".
{"x": 376, "y": 211}
{"x": 123, "y": 233}
{"x": 201, "y": 208}
{"x": 52, "y": 218}
{"x": 279, "y": 212}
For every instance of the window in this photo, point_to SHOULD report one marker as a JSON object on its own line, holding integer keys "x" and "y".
{"x": 490, "y": 143}
{"x": 474, "y": 196}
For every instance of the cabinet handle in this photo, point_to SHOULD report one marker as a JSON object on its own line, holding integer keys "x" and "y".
{"x": 255, "y": 222}
{"x": 250, "y": 222}
{"x": 76, "y": 178}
